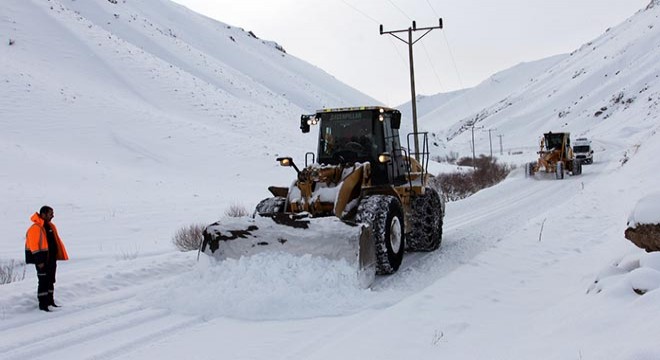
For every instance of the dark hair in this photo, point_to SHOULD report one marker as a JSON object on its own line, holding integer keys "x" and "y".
{"x": 44, "y": 209}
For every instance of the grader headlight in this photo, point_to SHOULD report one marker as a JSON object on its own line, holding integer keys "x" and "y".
{"x": 306, "y": 121}
{"x": 384, "y": 158}
{"x": 287, "y": 161}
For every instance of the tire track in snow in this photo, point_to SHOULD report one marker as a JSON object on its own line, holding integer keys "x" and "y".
{"x": 469, "y": 231}
{"x": 167, "y": 329}
{"x": 106, "y": 336}
{"x": 500, "y": 215}
{"x": 120, "y": 285}
{"x": 49, "y": 329}
{"x": 19, "y": 333}
{"x": 542, "y": 189}
{"x": 18, "y": 323}
{"x": 114, "y": 308}
{"x": 47, "y": 344}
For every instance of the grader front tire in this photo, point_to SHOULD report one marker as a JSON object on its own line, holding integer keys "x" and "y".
{"x": 559, "y": 170}
{"x": 384, "y": 215}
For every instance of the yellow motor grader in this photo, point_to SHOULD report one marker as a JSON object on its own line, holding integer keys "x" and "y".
{"x": 361, "y": 197}
{"x": 555, "y": 156}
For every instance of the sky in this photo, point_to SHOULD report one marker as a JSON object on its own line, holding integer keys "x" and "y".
{"x": 130, "y": 134}
{"x": 479, "y": 38}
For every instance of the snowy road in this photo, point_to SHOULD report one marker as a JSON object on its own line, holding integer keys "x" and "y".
{"x": 105, "y": 320}
{"x": 117, "y": 310}
{"x": 505, "y": 248}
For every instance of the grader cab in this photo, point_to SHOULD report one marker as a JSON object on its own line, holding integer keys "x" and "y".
{"x": 555, "y": 156}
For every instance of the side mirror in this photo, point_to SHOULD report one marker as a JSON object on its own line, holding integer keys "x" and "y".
{"x": 304, "y": 124}
{"x": 396, "y": 120}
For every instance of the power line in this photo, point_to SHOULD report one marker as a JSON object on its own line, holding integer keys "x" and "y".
{"x": 401, "y": 57}
{"x": 431, "y": 6}
{"x": 428, "y": 57}
{"x": 453, "y": 61}
{"x": 398, "y": 8}
{"x": 361, "y": 12}
{"x": 398, "y": 52}
{"x": 451, "y": 54}
{"x": 458, "y": 74}
{"x": 426, "y": 52}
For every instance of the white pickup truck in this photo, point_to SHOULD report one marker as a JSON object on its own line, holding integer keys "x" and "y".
{"x": 582, "y": 150}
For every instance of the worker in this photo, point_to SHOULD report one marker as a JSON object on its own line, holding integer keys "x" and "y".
{"x": 43, "y": 247}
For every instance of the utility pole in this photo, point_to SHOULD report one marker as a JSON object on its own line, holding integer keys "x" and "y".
{"x": 501, "y": 150}
{"x": 490, "y": 140}
{"x": 410, "y": 44}
{"x": 474, "y": 161}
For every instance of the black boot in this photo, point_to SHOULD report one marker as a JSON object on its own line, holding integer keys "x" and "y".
{"x": 43, "y": 302}
{"x": 51, "y": 301}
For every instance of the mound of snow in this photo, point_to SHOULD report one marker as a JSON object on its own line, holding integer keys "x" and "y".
{"x": 267, "y": 286}
{"x": 634, "y": 274}
{"x": 647, "y": 211}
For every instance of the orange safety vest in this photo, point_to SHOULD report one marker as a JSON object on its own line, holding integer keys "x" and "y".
{"x": 36, "y": 241}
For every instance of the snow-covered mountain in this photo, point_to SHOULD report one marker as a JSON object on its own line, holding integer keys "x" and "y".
{"x": 145, "y": 93}
{"x": 134, "y": 118}
{"x": 590, "y": 92}
{"x": 452, "y": 107}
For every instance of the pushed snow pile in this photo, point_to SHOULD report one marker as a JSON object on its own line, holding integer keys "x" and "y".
{"x": 644, "y": 223}
{"x": 267, "y": 286}
{"x": 634, "y": 274}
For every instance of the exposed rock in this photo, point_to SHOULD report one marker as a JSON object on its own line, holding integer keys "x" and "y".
{"x": 645, "y": 236}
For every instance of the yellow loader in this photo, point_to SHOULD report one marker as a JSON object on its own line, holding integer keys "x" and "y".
{"x": 361, "y": 197}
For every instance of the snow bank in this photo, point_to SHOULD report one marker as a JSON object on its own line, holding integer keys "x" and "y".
{"x": 633, "y": 274}
{"x": 646, "y": 211}
{"x": 267, "y": 286}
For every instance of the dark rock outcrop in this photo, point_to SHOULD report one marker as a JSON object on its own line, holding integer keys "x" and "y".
{"x": 645, "y": 236}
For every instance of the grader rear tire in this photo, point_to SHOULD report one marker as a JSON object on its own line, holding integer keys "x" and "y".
{"x": 577, "y": 167}
{"x": 383, "y": 213}
{"x": 529, "y": 169}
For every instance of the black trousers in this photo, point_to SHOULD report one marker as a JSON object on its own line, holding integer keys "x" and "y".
{"x": 46, "y": 286}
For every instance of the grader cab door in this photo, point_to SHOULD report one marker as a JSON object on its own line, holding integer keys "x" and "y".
{"x": 397, "y": 169}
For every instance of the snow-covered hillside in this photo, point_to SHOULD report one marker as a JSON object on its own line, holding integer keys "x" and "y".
{"x": 611, "y": 80}
{"x": 148, "y": 96}
{"x": 452, "y": 107}
{"x": 133, "y": 118}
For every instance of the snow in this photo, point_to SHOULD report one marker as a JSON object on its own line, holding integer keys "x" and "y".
{"x": 281, "y": 287}
{"x": 131, "y": 133}
{"x": 646, "y": 211}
